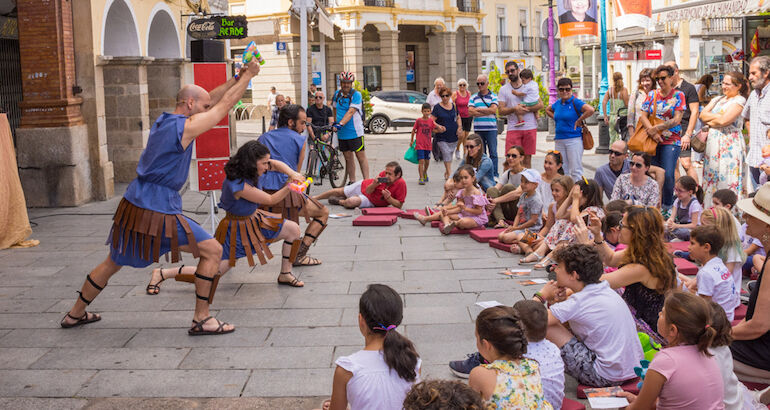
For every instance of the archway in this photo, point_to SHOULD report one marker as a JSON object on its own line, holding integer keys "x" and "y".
{"x": 162, "y": 39}
{"x": 119, "y": 31}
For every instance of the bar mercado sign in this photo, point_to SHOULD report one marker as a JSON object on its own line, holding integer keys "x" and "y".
{"x": 218, "y": 28}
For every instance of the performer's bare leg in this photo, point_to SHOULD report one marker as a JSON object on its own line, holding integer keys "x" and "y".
{"x": 320, "y": 216}
{"x": 100, "y": 276}
{"x": 330, "y": 193}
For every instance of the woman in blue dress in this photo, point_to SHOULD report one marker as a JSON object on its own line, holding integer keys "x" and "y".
{"x": 246, "y": 229}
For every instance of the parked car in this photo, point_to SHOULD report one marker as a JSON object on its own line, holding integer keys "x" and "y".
{"x": 394, "y": 109}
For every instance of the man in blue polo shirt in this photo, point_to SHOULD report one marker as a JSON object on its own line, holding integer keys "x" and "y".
{"x": 348, "y": 114}
{"x": 483, "y": 109}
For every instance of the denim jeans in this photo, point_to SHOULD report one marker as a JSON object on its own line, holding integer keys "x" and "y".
{"x": 572, "y": 153}
{"x": 754, "y": 177}
{"x": 666, "y": 157}
{"x": 490, "y": 147}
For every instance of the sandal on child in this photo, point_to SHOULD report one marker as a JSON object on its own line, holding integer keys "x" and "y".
{"x": 501, "y": 224}
{"x": 79, "y": 321}
{"x": 544, "y": 263}
{"x": 523, "y": 262}
{"x": 448, "y": 228}
{"x": 419, "y": 218}
{"x": 198, "y": 330}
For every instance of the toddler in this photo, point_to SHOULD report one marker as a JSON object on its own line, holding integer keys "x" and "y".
{"x": 528, "y": 92}
{"x": 686, "y": 210}
{"x": 442, "y": 395}
{"x": 424, "y": 128}
{"x": 713, "y": 281}
{"x": 469, "y": 213}
{"x": 510, "y": 380}
{"x": 529, "y": 218}
{"x": 380, "y": 375}
{"x": 765, "y": 165}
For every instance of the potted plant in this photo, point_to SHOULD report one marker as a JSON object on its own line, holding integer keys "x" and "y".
{"x": 593, "y": 119}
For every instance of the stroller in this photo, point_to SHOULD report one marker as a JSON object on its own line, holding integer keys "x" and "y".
{"x": 621, "y": 124}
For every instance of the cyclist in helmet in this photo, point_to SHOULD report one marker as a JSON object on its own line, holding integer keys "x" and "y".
{"x": 349, "y": 117}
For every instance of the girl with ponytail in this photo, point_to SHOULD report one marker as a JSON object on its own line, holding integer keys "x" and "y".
{"x": 380, "y": 375}
{"x": 684, "y": 374}
{"x": 509, "y": 380}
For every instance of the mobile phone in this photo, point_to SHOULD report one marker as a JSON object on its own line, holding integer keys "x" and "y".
{"x": 383, "y": 180}
{"x": 586, "y": 218}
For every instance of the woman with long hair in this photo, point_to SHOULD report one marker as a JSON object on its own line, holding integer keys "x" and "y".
{"x": 644, "y": 85}
{"x": 617, "y": 99}
{"x": 645, "y": 268}
{"x": 702, "y": 86}
{"x": 724, "y": 158}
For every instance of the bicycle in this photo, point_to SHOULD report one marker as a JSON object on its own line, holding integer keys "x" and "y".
{"x": 324, "y": 159}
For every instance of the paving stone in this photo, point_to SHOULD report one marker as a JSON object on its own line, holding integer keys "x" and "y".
{"x": 112, "y": 358}
{"x": 443, "y": 255}
{"x": 43, "y": 383}
{"x": 442, "y": 353}
{"x": 340, "y": 351}
{"x": 321, "y": 301}
{"x": 375, "y": 276}
{"x": 459, "y": 332}
{"x": 159, "y": 383}
{"x": 35, "y": 403}
{"x": 491, "y": 262}
{"x": 482, "y": 285}
{"x": 240, "y": 301}
{"x": 316, "y": 336}
{"x": 85, "y": 338}
{"x": 257, "y": 358}
{"x": 448, "y": 274}
{"x": 322, "y": 288}
{"x": 30, "y": 320}
{"x": 421, "y": 315}
{"x": 289, "y": 382}
{"x": 438, "y": 371}
{"x": 67, "y": 292}
{"x": 439, "y": 299}
{"x": 11, "y": 291}
{"x": 137, "y": 320}
{"x": 29, "y": 305}
{"x": 126, "y": 304}
{"x": 282, "y": 317}
{"x": 243, "y": 336}
{"x": 19, "y": 358}
{"x": 421, "y": 286}
{"x": 400, "y": 265}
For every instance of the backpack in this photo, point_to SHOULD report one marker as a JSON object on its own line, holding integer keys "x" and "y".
{"x": 337, "y": 96}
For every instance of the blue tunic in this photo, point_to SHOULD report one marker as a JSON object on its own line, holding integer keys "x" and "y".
{"x": 162, "y": 171}
{"x": 239, "y": 207}
{"x": 285, "y": 145}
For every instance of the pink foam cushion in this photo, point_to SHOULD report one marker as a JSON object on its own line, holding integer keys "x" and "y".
{"x": 458, "y": 231}
{"x": 685, "y": 267}
{"x": 375, "y": 220}
{"x": 677, "y": 246}
{"x": 629, "y": 386}
{"x": 740, "y": 312}
{"x": 568, "y": 404}
{"x": 409, "y": 213}
{"x": 485, "y": 235}
{"x": 387, "y": 210}
{"x": 499, "y": 245}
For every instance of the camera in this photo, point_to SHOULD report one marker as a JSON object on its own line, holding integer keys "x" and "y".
{"x": 383, "y": 180}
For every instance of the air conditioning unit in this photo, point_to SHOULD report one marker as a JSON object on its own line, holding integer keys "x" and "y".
{"x": 572, "y": 70}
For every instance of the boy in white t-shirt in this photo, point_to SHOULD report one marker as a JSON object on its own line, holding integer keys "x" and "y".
{"x": 601, "y": 346}
{"x": 528, "y": 92}
{"x": 714, "y": 281}
{"x": 534, "y": 318}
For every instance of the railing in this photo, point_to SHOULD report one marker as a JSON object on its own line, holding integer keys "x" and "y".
{"x": 529, "y": 44}
{"x": 486, "y": 44}
{"x": 504, "y": 43}
{"x": 380, "y": 3}
{"x": 468, "y": 6}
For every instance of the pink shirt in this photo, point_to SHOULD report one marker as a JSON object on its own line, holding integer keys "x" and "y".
{"x": 693, "y": 380}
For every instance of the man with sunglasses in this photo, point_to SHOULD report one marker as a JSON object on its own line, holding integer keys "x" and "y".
{"x": 319, "y": 113}
{"x": 483, "y": 109}
{"x": 619, "y": 164}
{"x": 524, "y": 135}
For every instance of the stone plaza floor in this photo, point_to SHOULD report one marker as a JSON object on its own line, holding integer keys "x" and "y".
{"x": 283, "y": 351}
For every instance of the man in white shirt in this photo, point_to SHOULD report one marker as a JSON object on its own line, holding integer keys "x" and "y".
{"x": 271, "y": 97}
{"x": 757, "y": 113}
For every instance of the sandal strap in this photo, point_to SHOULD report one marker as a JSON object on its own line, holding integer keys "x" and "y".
{"x": 179, "y": 272}
{"x": 199, "y": 276}
{"x": 91, "y": 281}
{"x": 204, "y": 298}
{"x": 85, "y": 315}
{"x": 288, "y": 243}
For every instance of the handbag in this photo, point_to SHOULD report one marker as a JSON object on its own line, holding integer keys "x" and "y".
{"x": 640, "y": 141}
{"x": 411, "y": 154}
{"x": 698, "y": 142}
{"x": 588, "y": 139}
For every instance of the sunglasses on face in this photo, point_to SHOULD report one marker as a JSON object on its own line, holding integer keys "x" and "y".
{"x": 661, "y": 78}
{"x": 463, "y": 85}
{"x": 480, "y": 84}
{"x": 616, "y": 153}
{"x": 319, "y": 98}
{"x": 470, "y": 146}
{"x": 445, "y": 96}
{"x": 511, "y": 156}
{"x": 639, "y": 165}
{"x": 565, "y": 89}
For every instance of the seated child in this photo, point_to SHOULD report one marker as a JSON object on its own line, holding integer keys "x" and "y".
{"x": 470, "y": 212}
{"x": 732, "y": 250}
{"x": 617, "y": 205}
{"x": 713, "y": 281}
{"x": 509, "y": 380}
{"x": 380, "y": 375}
{"x": 720, "y": 349}
{"x": 528, "y": 93}
{"x": 442, "y": 395}
{"x": 449, "y": 195}
{"x": 765, "y": 165}
{"x": 529, "y": 218}
{"x": 683, "y": 375}
{"x": 685, "y": 213}
{"x": 600, "y": 348}
{"x": 534, "y": 318}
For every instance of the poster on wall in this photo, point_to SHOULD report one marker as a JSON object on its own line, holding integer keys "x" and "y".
{"x": 577, "y": 17}
{"x": 315, "y": 64}
{"x": 633, "y": 13}
{"x": 410, "y": 66}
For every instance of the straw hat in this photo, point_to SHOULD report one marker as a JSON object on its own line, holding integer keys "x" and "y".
{"x": 759, "y": 206}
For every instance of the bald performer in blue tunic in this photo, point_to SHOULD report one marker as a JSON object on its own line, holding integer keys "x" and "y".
{"x": 149, "y": 222}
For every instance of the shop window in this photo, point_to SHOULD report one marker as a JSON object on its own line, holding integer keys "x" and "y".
{"x": 373, "y": 78}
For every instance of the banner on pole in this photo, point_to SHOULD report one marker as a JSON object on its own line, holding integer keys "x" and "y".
{"x": 633, "y": 13}
{"x": 577, "y": 17}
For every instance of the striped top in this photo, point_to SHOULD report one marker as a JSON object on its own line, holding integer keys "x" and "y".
{"x": 485, "y": 122}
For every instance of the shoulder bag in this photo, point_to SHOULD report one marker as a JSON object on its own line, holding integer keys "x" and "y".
{"x": 640, "y": 141}
{"x": 698, "y": 142}
{"x": 588, "y": 139}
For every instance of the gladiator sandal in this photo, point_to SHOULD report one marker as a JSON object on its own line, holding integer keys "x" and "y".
{"x": 85, "y": 319}
{"x": 302, "y": 259}
{"x": 214, "y": 282}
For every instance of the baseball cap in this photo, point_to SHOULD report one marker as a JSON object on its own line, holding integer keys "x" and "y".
{"x": 531, "y": 175}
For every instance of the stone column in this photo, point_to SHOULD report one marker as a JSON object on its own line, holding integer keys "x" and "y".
{"x": 353, "y": 53}
{"x": 473, "y": 55}
{"x": 52, "y": 139}
{"x": 448, "y": 57}
{"x": 390, "y": 60}
{"x": 164, "y": 79}
{"x": 126, "y": 109}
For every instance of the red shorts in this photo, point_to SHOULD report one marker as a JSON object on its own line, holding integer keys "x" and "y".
{"x": 524, "y": 138}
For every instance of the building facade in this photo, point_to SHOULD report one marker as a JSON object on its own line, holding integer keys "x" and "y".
{"x": 513, "y": 30}
{"x": 388, "y": 44}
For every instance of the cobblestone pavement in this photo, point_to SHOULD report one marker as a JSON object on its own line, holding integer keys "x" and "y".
{"x": 282, "y": 354}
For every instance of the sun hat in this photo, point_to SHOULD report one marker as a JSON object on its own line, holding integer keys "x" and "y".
{"x": 759, "y": 206}
{"x": 531, "y": 175}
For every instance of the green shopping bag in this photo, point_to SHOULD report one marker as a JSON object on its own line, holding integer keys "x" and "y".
{"x": 411, "y": 155}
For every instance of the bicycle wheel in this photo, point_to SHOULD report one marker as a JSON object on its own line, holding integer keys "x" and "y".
{"x": 335, "y": 170}
{"x": 312, "y": 165}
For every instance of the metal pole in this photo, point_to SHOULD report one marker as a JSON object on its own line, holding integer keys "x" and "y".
{"x": 582, "y": 85}
{"x": 551, "y": 66}
{"x": 604, "y": 83}
{"x": 303, "y": 50}
{"x": 323, "y": 63}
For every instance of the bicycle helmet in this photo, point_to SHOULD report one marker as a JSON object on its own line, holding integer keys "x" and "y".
{"x": 347, "y": 76}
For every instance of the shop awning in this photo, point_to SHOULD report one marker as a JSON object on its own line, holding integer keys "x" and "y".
{"x": 701, "y": 9}
{"x": 325, "y": 26}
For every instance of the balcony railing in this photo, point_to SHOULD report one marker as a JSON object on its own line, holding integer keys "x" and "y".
{"x": 380, "y": 3}
{"x": 504, "y": 43}
{"x": 468, "y": 6}
{"x": 529, "y": 44}
{"x": 486, "y": 44}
